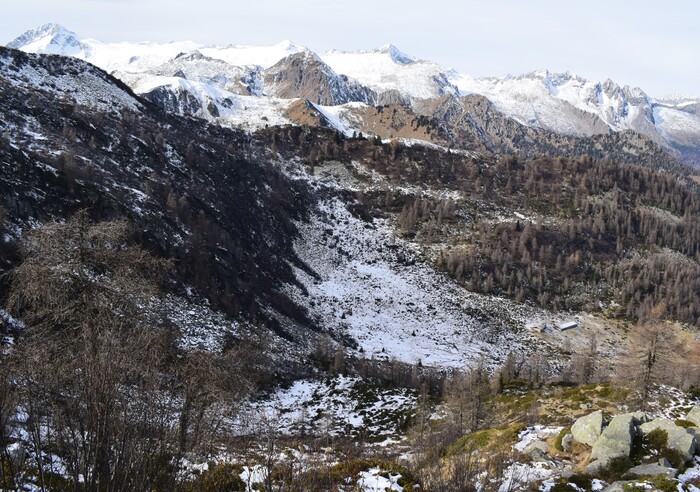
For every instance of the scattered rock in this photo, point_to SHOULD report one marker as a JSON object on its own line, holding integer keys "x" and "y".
{"x": 679, "y": 439}
{"x": 616, "y": 486}
{"x": 650, "y": 470}
{"x": 694, "y": 415}
{"x": 615, "y": 441}
{"x": 566, "y": 442}
{"x": 587, "y": 429}
{"x": 534, "y": 446}
{"x": 537, "y": 455}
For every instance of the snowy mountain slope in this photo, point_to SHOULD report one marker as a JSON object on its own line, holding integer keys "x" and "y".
{"x": 140, "y": 57}
{"x": 568, "y": 104}
{"x": 66, "y": 78}
{"x": 50, "y": 39}
{"x": 387, "y": 69}
{"x": 396, "y": 307}
{"x": 131, "y": 57}
{"x": 263, "y": 56}
{"x": 192, "y": 98}
{"x": 195, "y": 66}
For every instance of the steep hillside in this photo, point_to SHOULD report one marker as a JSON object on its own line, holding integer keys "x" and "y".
{"x": 473, "y": 122}
{"x": 74, "y": 137}
{"x": 572, "y": 105}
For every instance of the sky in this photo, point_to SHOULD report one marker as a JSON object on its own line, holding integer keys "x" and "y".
{"x": 649, "y": 44}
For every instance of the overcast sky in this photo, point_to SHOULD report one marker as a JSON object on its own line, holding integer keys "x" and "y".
{"x": 651, "y": 44}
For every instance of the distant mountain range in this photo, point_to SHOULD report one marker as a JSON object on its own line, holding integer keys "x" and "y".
{"x": 250, "y": 87}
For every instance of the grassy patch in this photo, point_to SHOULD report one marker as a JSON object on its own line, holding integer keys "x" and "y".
{"x": 488, "y": 440}
{"x": 685, "y": 423}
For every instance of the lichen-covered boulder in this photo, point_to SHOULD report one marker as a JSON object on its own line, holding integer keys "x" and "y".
{"x": 615, "y": 441}
{"x": 587, "y": 429}
{"x": 694, "y": 415}
{"x": 679, "y": 439}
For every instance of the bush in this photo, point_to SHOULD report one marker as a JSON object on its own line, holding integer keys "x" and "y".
{"x": 616, "y": 468}
{"x": 575, "y": 482}
{"x": 219, "y": 477}
{"x": 656, "y": 440}
{"x": 676, "y": 459}
{"x": 582, "y": 481}
{"x": 659, "y": 483}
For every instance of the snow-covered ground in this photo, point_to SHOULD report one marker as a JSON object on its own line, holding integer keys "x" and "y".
{"x": 247, "y": 112}
{"x": 387, "y": 68}
{"x": 379, "y": 290}
{"x": 341, "y": 405}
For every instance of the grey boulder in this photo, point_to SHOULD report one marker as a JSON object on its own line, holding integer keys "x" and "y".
{"x": 615, "y": 441}
{"x": 587, "y": 429}
{"x": 650, "y": 470}
{"x": 679, "y": 439}
{"x": 694, "y": 415}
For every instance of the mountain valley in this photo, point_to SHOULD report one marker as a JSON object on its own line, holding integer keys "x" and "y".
{"x": 362, "y": 269}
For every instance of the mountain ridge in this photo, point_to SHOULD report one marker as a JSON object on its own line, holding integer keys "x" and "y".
{"x": 559, "y": 102}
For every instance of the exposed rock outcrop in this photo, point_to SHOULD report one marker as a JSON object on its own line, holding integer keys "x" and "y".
{"x": 304, "y": 75}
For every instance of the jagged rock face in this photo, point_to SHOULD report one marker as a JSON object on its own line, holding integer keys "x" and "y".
{"x": 587, "y": 429}
{"x": 304, "y": 75}
{"x": 615, "y": 441}
{"x": 174, "y": 101}
{"x": 679, "y": 438}
{"x": 391, "y": 97}
{"x": 473, "y": 122}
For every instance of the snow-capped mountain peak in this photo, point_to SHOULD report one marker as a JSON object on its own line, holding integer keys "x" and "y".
{"x": 395, "y": 54}
{"x": 561, "y": 102}
{"x": 50, "y": 38}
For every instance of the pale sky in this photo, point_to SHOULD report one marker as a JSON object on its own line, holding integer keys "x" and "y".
{"x": 654, "y": 45}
